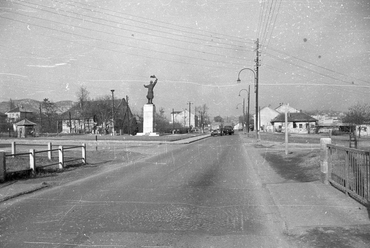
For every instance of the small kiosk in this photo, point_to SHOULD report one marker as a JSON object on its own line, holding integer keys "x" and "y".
{"x": 25, "y": 128}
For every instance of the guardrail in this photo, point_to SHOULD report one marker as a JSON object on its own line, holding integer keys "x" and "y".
{"x": 32, "y": 157}
{"x": 349, "y": 171}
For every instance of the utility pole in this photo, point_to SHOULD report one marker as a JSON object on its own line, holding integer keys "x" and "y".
{"x": 112, "y": 112}
{"x": 128, "y": 116}
{"x": 256, "y": 89}
{"x": 189, "y": 116}
{"x": 243, "y": 115}
{"x": 286, "y": 129}
{"x": 173, "y": 121}
{"x": 40, "y": 118}
{"x": 249, "y": 93}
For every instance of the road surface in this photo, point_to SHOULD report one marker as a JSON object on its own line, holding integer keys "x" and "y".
{"x": 205, "y": 194}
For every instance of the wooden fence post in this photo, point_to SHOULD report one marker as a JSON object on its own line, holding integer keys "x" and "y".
{"x": 13, "y": 148}
{"x": 50, "y": 152}
{"x": 61, "y": 157}
{"x": 2, "y": 167}
{"x": 84, "y": 153}
{"x": 32, "y": 160}
{"x": 346, "y": 177}
{"x": 324, "y": 155}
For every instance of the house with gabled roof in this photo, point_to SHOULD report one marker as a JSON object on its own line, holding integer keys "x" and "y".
{"x": 265, "y": 115}
{"x": 17, "y": 114}
{"x": 298, "y": 122}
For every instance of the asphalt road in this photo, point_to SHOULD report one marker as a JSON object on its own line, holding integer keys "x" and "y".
{"x": 205, "y": 194}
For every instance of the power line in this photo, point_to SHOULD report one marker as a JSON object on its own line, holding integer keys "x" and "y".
{"x": 111, "y": 42}
{"x": 273, "y": 25}
{"x": 130, "y": 30}
{"x": 237, "y": 39}
{"x": 164, "y": 44}
{"x": 313, "y": 64}
{"x": 305, "y": 68}
{"x": 119, "y": 51}
{"x": 266, "y": 19}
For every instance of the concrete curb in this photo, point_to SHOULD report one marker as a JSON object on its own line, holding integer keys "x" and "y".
{"x": 17, "y": 189}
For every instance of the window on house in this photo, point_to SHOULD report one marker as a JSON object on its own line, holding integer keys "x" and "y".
{"x": 300, "y": 126}
{"x": 294, "y": 125}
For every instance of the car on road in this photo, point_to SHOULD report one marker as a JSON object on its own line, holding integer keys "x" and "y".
{"x": 216, "y": 132}
{"x": 228, "y": 130}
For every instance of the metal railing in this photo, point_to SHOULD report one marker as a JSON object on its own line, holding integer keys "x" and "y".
{"x": 349, "y": 171}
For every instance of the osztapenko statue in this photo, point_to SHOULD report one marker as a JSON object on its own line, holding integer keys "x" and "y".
{"x": 150, "y": 87}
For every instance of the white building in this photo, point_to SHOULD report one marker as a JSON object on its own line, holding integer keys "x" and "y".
{"x": 182, "y": 117}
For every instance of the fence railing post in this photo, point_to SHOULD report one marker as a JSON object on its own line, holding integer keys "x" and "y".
{"x": 324, "y": 156}
{"x": 367, "y": 177}
{"x": 61, "y": 157}
{"x": 346, "y": 171}
{"x": 84, "y": 153}
{"x": 50, "y": 152}
{"x": 2, "y": 167}
{"x": 13, "y": 148}
{"x": 32, "y": 160}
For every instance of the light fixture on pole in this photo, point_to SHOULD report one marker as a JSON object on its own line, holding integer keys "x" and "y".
{"x": 256, "y": 91}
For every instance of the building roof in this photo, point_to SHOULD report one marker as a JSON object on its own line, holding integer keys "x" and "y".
{"x": 25, "y": 122}
{"x": 294, "y": 117}
{"x": 19, "y": 110}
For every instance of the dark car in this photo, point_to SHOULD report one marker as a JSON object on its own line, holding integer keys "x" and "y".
{"x": 228, "y": 130}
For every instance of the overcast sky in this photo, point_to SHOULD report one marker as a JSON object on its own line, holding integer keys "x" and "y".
{"x": 315, "y": 54}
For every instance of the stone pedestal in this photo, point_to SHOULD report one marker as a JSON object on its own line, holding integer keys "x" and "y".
{"x": 148, "y": 120}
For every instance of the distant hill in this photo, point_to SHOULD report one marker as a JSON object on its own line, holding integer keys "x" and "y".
{"x": 34, "y": 105}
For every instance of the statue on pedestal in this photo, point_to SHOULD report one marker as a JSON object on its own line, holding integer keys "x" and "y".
{"x": 150, "y": 87}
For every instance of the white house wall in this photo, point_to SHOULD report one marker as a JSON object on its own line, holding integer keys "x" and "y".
{"x": 300, "y": 127}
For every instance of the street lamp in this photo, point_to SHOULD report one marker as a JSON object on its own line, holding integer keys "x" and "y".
{"x": 256, "y": 91}
{"x": 249, "y": 90}
{"x": 112, "y": 112}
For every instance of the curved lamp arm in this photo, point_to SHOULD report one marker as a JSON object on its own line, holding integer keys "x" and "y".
{"x": 254, "y": 74}
{"x": 242, "y": 90}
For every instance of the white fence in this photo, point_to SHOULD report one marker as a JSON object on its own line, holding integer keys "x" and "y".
{"x": 33, "y": 153}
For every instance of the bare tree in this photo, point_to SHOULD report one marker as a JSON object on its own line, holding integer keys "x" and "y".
{"x": 49, "y": 109}
{"x": 202, "y": 115}
{"x": 101, "y": 109}
{"x": 358, "y": 114}
{"x": 82, "y": 96}
{"x": 83, "y": 103}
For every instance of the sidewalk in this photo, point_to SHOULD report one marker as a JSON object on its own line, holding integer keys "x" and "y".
{"x": 312, "y": 214}
{"x": 13, "y": 189}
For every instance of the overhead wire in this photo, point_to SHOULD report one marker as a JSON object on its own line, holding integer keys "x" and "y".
{"x": 266, "y": 19}
{"x": 146, "y": 41}
{"x": 97, "y": 10}
{"x": 108, "y": 41}
{"x": 305, "y": 68}
{"x": 273, "y": 25}
{"x": 319, "y": 66}
{"x": 118, "y": 24}
{"x": 115, "y": 43}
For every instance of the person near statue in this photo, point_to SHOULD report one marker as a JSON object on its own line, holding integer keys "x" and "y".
{"x": 150, "y": 87}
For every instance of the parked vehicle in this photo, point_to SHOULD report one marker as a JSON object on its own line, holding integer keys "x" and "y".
{"x": 228, "y": 130}
{"x": 216, "y": 132}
